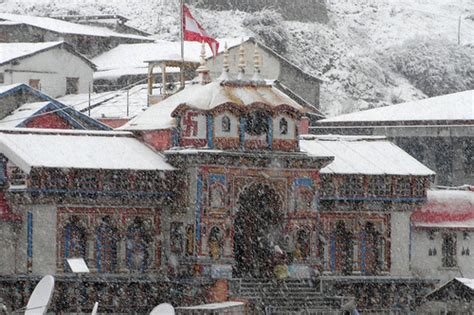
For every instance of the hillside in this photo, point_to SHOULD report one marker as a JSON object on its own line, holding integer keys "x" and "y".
{"x": 361, "y": 52}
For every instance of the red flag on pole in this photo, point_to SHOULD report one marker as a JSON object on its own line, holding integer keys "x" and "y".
{"x": 194, "y": 32}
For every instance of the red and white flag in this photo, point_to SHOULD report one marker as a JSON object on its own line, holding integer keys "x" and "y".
{"x": 193, "y": 31}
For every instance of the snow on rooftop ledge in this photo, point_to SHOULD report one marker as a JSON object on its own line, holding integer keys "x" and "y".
{"x": 342, "y": 138}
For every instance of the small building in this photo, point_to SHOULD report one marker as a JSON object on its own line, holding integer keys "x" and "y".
{"x": 290, "y": 79}
{"x": 54, "y": 68}
{"x": 85, "y": 39}
{"x": 21, "y": 106}
{"x": 442, "y": 235}
{"x": 453, "y": 297}
{"x": 115, "y": 22}
{"x": 437, "y": 131}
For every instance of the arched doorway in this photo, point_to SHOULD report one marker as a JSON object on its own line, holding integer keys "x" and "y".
{"x": 257, "y": 223}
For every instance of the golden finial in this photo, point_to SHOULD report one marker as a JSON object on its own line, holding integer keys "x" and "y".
{"x": 257, "y": 64}
{"x": 226, "y": 58}
{"x": 225, "y": 64}
{"x": 241, "y": 61}
{"x": 203, "y": 70}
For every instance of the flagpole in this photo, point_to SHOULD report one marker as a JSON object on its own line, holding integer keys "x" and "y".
{"x": 181, "y": 11}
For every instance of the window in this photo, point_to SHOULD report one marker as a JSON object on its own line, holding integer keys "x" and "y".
{"x": 302, "y": 245}
{"x": 215, "y": 243}
{"x": 352, "y": 185}
{"x": 55, "y": 179}
{"x": 379, "y": 186}
{"x": 72, "y": 85}
{"x": 2, "y": 78}
{"x": 16, "y": 176}
{"x": 304, "y": 197}
{"x": 469, "y": 156}
{"x": 283, "y": 126}
{"x": 449, "y": 250}
{"x": 403, "y": 187}
{"x": 75, "y": 240}
{"x": 85, "y": 180}
{"x": 257, "y": 123}
{"x": 328, "y": 186}
{"x": 117, "y": 181}
{"x": 139, "y": 242}
{"x": 225, "y": 124}
{"x": 217, "y": 196}
{"x": 106, "y": 246}
{"x": 35, "y": 84}
{"x": 342, "y": 250}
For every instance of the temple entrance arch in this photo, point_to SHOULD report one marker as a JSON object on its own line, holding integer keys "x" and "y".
{"x": 258, "y": 224}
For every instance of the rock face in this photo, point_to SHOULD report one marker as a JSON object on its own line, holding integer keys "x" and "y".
{"x": 300, "y": 10}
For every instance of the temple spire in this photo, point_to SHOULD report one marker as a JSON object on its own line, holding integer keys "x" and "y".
{"x": 203, "y": 70}
{"x": 241, "y": 75}
{"x": 225, "y": 65}
{"x": 257, "y": 64}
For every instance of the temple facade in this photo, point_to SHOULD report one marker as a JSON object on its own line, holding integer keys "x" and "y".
{"x": 215, "y": 183}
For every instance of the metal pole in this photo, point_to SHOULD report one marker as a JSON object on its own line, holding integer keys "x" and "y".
{"x": 459, "y": 30}
{"x": 90, "y": 88}
{"x": 181, "y": 10}
{"x": 128, "y": 101}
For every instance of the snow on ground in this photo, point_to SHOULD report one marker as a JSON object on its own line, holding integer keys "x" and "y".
{"x": 344, "y": 51}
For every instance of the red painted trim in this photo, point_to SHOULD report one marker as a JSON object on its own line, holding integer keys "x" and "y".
{"x": 49, "y": 121}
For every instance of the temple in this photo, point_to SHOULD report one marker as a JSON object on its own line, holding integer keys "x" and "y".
{"x": 203, "y": 193}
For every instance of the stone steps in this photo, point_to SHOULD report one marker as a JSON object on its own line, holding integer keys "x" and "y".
{"x": 288, "y": 297}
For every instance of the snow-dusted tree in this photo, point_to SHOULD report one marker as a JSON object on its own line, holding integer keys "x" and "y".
{"x": 269, "y": 26}
{"x": 434, "y": 66}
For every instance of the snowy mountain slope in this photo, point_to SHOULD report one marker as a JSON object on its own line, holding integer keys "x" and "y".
{"x": 350, "y": 52}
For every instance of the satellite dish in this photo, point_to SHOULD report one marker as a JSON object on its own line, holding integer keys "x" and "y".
{"x": 41, "y": 296}
{"x": 94, "y": 310}
{"x": 163, "y": 309}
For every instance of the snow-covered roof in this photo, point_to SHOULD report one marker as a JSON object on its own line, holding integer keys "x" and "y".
{"x": 362, "y": 155}
{"x": 207, "y": 97}
{"x": 112, "y": 104}
{"x": 446, "y": 209}
{"x": 14, "y": 51}
{"x": 78, "y": 149}
{"x": 64, "y": 27}
{"x": 467, "y": 282}
{"x": 21, "y": 114}
{"x": 136, "y": 56}
{"x": 456, "y": 106}
{"x": 9, "y": 87}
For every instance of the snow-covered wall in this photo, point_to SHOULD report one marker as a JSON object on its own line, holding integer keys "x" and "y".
{"x": 7, "y": 245}
{"x": 51, "y": 67}
{"x": 44, "y": 239}
{"x": 431, "y": 266}
{"x": 400, "y": 243}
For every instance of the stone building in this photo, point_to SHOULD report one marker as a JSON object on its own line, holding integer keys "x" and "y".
{"x": 86, "y": 39}
{"x": 54, "y": 68}
{"x": 213, "y": 187}
{"x": 442, "y": 231}
{"x": 293, "y": 81}
{"x": 437, "y": 131}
